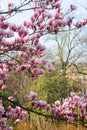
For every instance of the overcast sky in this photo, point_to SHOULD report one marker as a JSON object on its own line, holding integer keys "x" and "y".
{"x": 19, "y": 18}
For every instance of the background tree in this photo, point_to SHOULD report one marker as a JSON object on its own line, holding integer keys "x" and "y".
{"x": 67, "y": 49}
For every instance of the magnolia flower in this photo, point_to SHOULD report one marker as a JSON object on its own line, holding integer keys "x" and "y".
{"x": 32, "y": 95}
{"x": 3, "y": 121}
{"x": 13, "y": 27}
{"x": 54, "y": 111}
{"x": 24, "y": 55}
{"x": 73, "y": 7}
{"x": 3, "y": 87}
{"x": 11, "y": 98}
{"x": 79, "y": 24}
{"x": 2, "y": 18}
{"x": 41, "y": 104}
{"x": 17, "y": 121}
{"x": 49, "y": 67}
{"x": 72, "y": 94}
{"x": 18, "y": 69}
{"x": 71, "y": 119}
{"x": 47, "y": 107}
{"x": 1, "y": 83}
{"x": 57, "y": 104}
{"x": 33, "y": 103}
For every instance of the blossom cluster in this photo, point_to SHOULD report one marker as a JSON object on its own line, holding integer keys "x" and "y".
{"x": 40, "y": 104}
{"x": 13, "y": 114}
{"x": 28, "y": 48}
{"x": 16, "y": 114}
{"x": 72, "y": 108}
{"x": 3, "y": 120}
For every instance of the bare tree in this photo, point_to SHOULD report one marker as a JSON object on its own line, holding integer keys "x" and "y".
{"x": 70, "y": 50}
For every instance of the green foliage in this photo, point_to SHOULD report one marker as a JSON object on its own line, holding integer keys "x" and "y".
{"x": 55, "y": 86}
{"x": 5, "y": 94}
{"x": 52, "y": 87}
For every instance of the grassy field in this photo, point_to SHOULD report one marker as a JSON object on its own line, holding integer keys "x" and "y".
{"x": 46, "y": 125}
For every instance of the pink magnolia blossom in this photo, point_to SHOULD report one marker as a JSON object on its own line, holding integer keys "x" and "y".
{"x": 11, "y": 98}
{"x": 42, "y": 26}
{"x": 73, "y": 7}
{"x": 69, "y": 21}
{"x": 13, "y": 27}
{"x": 41, "y": 104}
{"x": 18, "y": 69}
{"x": 33, "y": 95}
{"x": 71, "y": 119}
{"x": 10, "y": 4}
{"x": 54, "y": 111}
{"x": 57, "y": 104}
{"x": 72, "y": 94}
{"x": 1, "y": 83}
{"x": 17, "y": 121}
{"x": 48, "y": 107}
{"x": 33, "y": 103}
{"x": 16, "y": 113}
{"x": 79, "y": 24}
{"x": 2, "y": 18}
{"x": 3, "y": 87}
{"x": 49, "y": 68}
{"x": 24, "y": 55}
{"x": 4, "y": 25}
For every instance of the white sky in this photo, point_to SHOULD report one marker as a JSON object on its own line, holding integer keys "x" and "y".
{"x": 19, "y": 18}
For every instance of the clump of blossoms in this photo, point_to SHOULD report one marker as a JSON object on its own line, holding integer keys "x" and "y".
{"x": 24, "y": 42}
{"x": 13, "y": 114}
{"x": 40, "y": 104}
{"x": 73, "y": 108}
{"x": 3, "y": 120}
{"x": 16, "y": 114}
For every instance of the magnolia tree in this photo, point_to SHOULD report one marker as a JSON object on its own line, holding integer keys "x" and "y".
{"x": 23, "y": 42}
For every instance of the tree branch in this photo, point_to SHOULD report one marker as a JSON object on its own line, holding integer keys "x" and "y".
{"x": 33, "y": 111}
